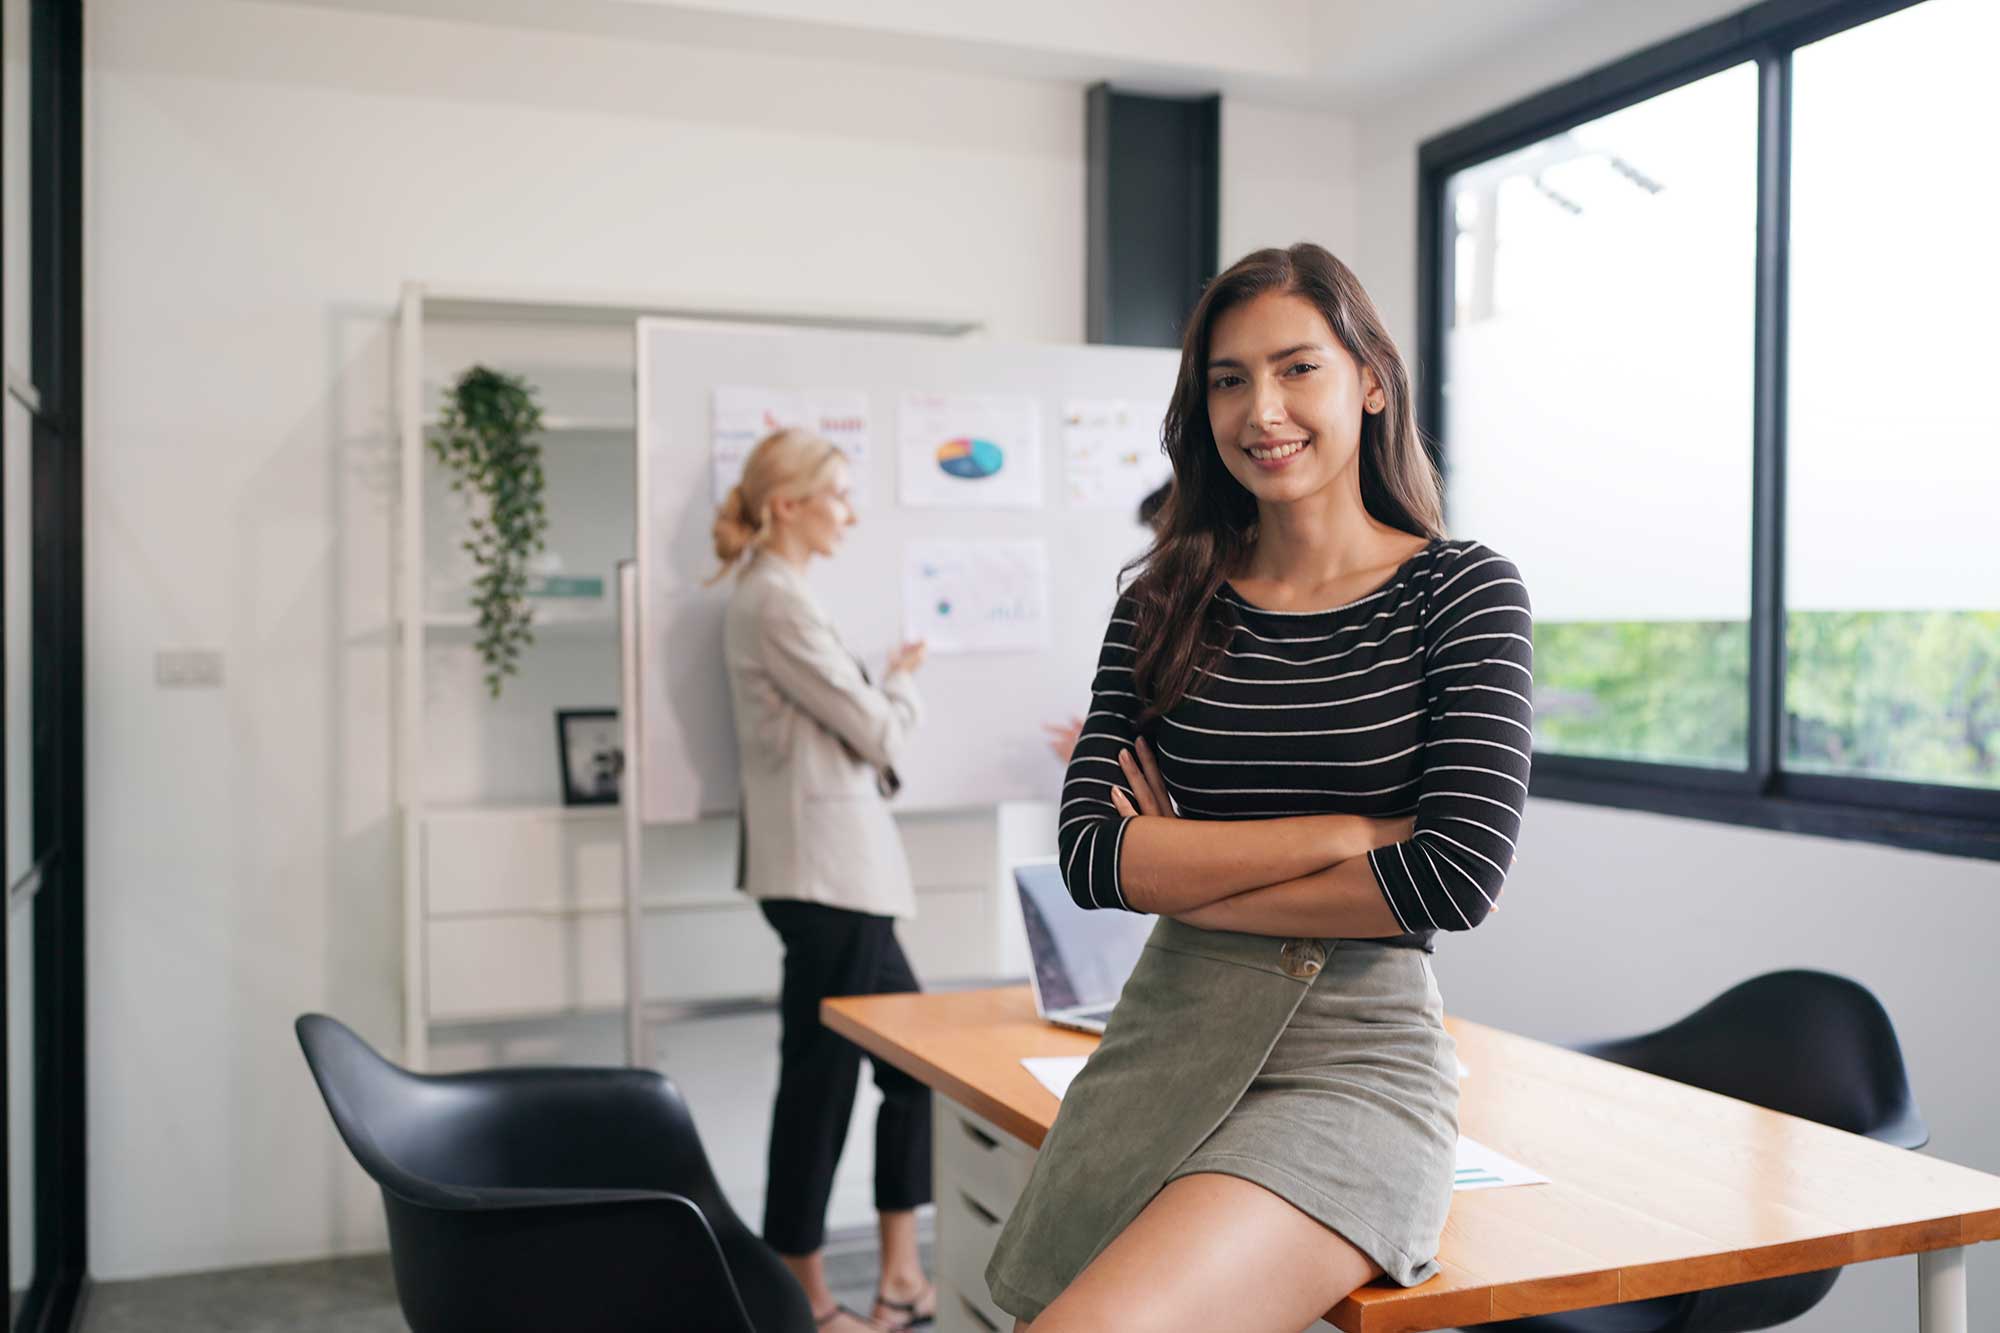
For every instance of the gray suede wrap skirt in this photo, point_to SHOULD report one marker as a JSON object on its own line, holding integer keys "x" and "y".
{"x": 1331, "y": 1083}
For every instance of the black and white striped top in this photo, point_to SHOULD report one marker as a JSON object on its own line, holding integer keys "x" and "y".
{"x": 1412, "y": 700}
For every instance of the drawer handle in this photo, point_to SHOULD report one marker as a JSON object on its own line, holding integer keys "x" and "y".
{"x": 989, "y": 1218}
{"x": 978, "y": 1315}
{"x": 979, "y": 1136}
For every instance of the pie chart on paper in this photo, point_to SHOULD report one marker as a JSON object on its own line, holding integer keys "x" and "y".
{"x": 970, "y": 459}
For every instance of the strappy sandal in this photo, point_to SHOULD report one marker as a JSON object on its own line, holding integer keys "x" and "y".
{"x": 821, "y": 1321}
{"x": 908, "y": 1308}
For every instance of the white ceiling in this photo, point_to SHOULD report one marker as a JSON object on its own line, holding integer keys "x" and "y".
{"x": 1333, "y": 54}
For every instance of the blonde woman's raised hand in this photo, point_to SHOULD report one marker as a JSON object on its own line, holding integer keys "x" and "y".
{"x": 1063, "y": 737}
{"x": 907, "y": 657}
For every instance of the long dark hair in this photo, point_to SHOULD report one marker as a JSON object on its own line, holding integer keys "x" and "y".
{"x": 1210, "y": 521}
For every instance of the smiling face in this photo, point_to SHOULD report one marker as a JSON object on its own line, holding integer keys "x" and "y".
{"x": 1285, "y": 399}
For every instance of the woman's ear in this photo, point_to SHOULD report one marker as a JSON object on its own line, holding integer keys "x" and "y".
{"x": 1372, "y": 398}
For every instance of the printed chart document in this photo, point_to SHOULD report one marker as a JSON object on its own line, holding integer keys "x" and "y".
{"x": 743, "y": 415}
{"x": 977, "y": 597}
{"x": 1479, "y": 1167}
{"x": 969, "y": 451}
{"x": 1111, "y": 453}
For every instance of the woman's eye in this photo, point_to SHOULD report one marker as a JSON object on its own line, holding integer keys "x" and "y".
{"x": 1225, "y": 381}
{"x": 1302, "y": 367}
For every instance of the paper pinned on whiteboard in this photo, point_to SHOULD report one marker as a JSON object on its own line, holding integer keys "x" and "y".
{"x": 969, "y": 451}
{"x": 1111, "y": 453}
{"x": 977, "y": 597}
{"x": 742, "y": 415}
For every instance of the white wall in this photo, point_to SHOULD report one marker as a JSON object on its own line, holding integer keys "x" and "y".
{"x": 261, "y": 179}
{"x": 1288, "y": 176}
{"x": 1618, "y": 922}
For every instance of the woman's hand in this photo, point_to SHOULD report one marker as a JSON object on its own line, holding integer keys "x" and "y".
{"x": 907, "y": 657}
{"x": 1063, "y": 737}
{"x": 1228, "y": 913}
{"x": 1215, "y": 916}
{"x": 1149, "y": 789}
{"x": 1389, "y": 832}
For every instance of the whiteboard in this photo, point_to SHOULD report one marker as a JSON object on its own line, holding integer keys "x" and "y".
{"x": 981, "y": 740}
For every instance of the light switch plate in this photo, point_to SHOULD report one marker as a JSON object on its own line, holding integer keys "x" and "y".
{"x": 188, "y": 668}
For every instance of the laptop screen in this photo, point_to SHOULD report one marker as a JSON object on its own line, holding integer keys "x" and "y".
{"x": 1081, "y": 958}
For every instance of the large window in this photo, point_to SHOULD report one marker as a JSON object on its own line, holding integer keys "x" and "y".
{"x": 1892, "y": 451}
{"x": 1711, "y": 330}
{"x": 1598, "y": 408}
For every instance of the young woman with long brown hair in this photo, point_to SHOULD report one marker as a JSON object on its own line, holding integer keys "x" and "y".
{"x": 1307, "y": 752}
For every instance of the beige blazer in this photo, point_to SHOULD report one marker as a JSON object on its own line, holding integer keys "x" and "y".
{"x": 815, "y": 741}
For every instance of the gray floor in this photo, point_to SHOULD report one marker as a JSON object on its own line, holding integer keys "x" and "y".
{"x": 726, "y": 1068}
{"x": 340, "y": 1296}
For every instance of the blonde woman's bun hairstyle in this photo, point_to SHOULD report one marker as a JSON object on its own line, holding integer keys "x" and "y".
{"x": 785, "y": 465}
{"x": 734, "y": 530}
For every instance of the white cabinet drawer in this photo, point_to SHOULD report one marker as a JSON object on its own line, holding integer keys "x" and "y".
{"x": 490, "y": 967}
{"x": 988, "y": 1165}
{"x": 966, "y": 1235}
{"x": 951, "y": 938}
{"x": 515, "y": 860}
{"x": 962, "y": 1314}
{"x": 949, "y": 847}
{"x": 980, "y": 1173}
{"x": 717, "y": 951}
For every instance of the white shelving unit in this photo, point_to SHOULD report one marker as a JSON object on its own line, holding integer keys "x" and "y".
{"x": 513, "y": 905}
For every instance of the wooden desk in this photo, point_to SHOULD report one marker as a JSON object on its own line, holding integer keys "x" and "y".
{"x": 1657, "y": 1187}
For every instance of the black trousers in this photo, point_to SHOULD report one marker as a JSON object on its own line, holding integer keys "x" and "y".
{"x": 830, "y": 951}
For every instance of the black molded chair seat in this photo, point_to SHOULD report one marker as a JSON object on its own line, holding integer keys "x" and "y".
{"x": 555, "y": 1198}
{"x": 1807, "y": 1043}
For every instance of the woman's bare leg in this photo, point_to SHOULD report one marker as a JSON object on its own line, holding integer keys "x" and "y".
{"x": 902, "y": 1273}
{"x": 1210, "y": 1252}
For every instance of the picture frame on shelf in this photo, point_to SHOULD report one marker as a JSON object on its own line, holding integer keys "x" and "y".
{"x": 590, "y": 749}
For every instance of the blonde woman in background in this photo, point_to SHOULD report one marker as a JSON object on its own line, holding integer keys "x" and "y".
{"x": 818, "y": 743}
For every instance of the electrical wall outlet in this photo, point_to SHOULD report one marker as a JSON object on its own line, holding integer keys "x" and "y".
{"x": 188, "y": 668}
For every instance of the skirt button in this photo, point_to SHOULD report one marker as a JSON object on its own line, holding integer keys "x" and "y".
{"x": 1303, "y": 958}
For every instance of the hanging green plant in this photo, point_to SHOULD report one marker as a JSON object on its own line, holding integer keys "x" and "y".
{"x": 486, "y": 438}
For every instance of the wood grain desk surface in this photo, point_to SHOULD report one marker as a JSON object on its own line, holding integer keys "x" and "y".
{"x": 1656, "y": 1187}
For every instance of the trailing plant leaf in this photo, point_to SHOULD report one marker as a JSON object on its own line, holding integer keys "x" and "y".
{"x": 486, "y": 437}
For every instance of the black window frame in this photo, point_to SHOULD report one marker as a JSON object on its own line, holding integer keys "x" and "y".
{"x": 1933, "y": 817}
{"x": 54, "y": 1296}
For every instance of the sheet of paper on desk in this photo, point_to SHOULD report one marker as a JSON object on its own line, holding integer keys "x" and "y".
{"x": 1054, "y": 1072}
{"x": 1479, "y": 1167}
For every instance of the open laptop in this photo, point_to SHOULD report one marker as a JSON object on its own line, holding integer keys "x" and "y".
{"x": 1081, "y": 959}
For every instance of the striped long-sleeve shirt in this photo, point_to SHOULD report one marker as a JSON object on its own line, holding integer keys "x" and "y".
{"x": 1413, "y": 700}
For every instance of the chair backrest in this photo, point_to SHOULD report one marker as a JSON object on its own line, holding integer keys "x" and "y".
{"x": 378, "y": 1107}
{"x": 1808, "y": 1043}
{"x": 439, "y": 1144}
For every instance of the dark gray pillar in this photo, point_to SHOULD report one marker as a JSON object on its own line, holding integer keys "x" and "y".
{"x": 1154, "y": 204}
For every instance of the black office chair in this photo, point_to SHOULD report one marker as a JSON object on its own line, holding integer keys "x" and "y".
{"x": 537, "y": 1199}
{"x": 1810, "y": 1044}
